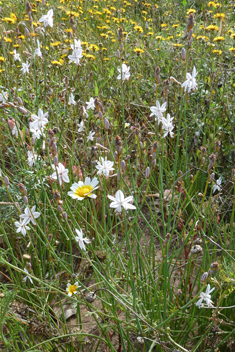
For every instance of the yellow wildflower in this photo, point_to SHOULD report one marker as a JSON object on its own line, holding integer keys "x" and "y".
{"x": 218, "y": 39}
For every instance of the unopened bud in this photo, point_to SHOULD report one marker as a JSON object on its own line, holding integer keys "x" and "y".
{"x": 190, "y": 42}
{"x": 183, "y": 54}
{"x": 121, "y": 47}
{"x": 190, "y": 34}
{"x": 115, "y": 156}
{"x": 212, "y": 176}
{"x": 154, "y": 87}
{"x": 154, "y": 163}
{"x": 25, "y": 199}
{"x": 32, "y": 141}
{"x": 27, "y": 32}
{"x": 65, "y": 215}
{"x": 204, "y": 276}
{"x": 100, "y": 115}
{"x": 54, "y": 148}
{"x": 60, "y": 209}
{"x": 23, "y": 110}
{"x": 56, "y": 161}
{"x": 6, "y": 181}
{"x": 147, "y": 172}
{"x": 118, "y": 54}
{"x": 106, "y": 123}
{"x": 20, "y": 101}
{"x": 123, "y": 165}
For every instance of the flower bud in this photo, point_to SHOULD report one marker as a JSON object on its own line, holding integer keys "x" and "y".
{"x": 106, "y": 123}
{"x": 154, "y": 87}
{"x": 147, "y": 172}
{"x": 212, "y": 176}
{"x": 55, "y": 160}
{"x": 65, "y": 215}
{"x": 26, "y": 32}
{"x": 20, "y": 101}
{"x": 60, "y": 209}
{"x": 23, "y": 110}
{"x": 115, "y": 156}
{"x": 118, "y": 54}
{"x": 32, "y": 141}
{"x": 190, "y": 34}
{"x": 25, "y": 199}
{"x": 183, "y": 54}
{"x": 204, "y": 276}
{"x": 100, "y": 115}
{"x": 121, "y": 47}
{"x": 54, "y": 148}
{"x": 123, "y": 165}
{"x": 6, "y": 181}
{"x": 190, "y": 42}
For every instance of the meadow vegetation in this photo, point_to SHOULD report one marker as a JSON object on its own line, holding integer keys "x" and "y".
{"x": 117, "y": 175}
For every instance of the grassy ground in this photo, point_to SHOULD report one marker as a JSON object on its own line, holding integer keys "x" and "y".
{"x": 117, "y": 178}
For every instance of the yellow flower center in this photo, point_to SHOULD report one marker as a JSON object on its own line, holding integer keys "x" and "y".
{"x": 72, "y": 289}
{"x": 83, "y": 191}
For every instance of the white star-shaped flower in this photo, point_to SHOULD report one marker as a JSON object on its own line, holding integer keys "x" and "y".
{"x": 77, "y": 44}
{"x": 104, "y": 166}
{"x": 32, "y": 157}
{"x": 158, "y": 111}
{"x": 120, "y": 201}
{"x": 62, "y": 173}
{"x": 81, "y": 126}
{"x": 25, "y": 67}
{"x": 30, "y": 215}
{"x": 47, "y": 19}
{"x": 216, "y": 185}
{"x": 206, "y": 297}
{"x": 16, "y": 56}
{"x": 90, "y": 136}
{"x": 75, "y": 56}
{"x": 38, "y": 50}
{"x": 71, "y": 100}
{"x": 40, "y": 120}
{"x": 81, "y": 241}
{"x": 21, "y": 227}
{"x": 190, "y": 83}
{"x": 124, "y": 73}
{"x": 90, "y": 104}
{"x": 27, "y": 277}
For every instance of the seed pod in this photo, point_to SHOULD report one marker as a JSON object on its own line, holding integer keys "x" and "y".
{"x": 140, "y": 340}
{"x": 196, "y": 249}
{"x": 90, "y": 297}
